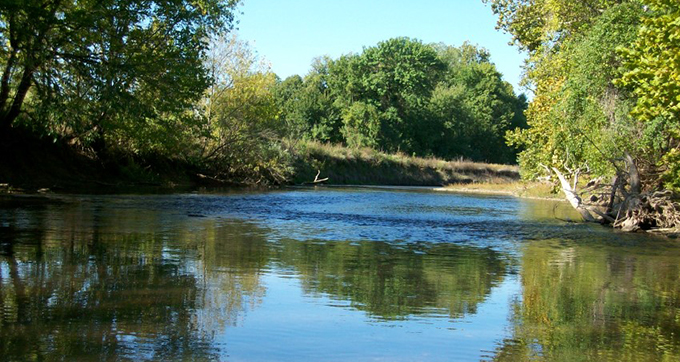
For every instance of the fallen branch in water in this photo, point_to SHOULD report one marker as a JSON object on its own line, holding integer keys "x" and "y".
{"x": 622, "y": 203}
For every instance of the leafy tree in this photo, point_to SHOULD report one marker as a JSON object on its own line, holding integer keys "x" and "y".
{"x": 307, "y": 105}
{"x": 540, "y": 26}
{"x": 397, "y": 77}
{"x": 486, "y": 105}
{"x": 241, "y": 116}
{"x": 403, "y": 95}
{"x": 653, "y": 73}
{"x": 578, "y": 118}
{"x": 118, "y": 71}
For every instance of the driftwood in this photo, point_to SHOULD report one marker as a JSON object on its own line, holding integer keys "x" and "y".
{"x": 623, "y": 203}
{"x": 317, "y": 180}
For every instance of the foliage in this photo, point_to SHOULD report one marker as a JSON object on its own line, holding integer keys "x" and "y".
{"x": 653, "y": 72}
{"x": 133, "y": 81}
{"x": 605, "y": 76}
{"x": 111, "y": 74}
{"x": 405, "y": 96}
{"x": 579, "y": 118}
{"x": 241, "y": 126}
{"x": 474, "y": 106}
{"x": 307, "y": 105}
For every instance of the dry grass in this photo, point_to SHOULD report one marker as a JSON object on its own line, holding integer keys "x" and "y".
{"x": 537, "y": 190}
{"x": 367, "y": 166}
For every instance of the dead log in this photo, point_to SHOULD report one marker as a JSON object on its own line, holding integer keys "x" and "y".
{"x": 573, "y": 197}
{"x": 622, "y": 203}
{"x": 319, "y": 180}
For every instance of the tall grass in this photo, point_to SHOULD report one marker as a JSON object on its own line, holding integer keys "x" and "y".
{"x": 343, "y": 165}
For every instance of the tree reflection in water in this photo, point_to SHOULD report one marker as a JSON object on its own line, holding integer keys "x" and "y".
{"x": 392, "y": 281}
{"x": 88, "y": 281}
{"x": 597, "y": 302}
{"x": 141, "y": 278}
{"x": 101, "y": 278}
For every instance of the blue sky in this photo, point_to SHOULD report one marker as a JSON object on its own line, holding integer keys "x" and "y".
{"x": 291, "y": 33}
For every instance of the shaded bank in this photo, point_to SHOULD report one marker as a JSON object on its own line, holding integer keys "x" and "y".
{"x": 31, "y": 163}
{"x": 365, "y": 166}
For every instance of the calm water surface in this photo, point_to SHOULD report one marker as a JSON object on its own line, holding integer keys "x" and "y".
{"x": 330, "y": 275}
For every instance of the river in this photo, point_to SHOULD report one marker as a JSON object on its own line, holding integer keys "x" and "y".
{"x": 329, "y": 274}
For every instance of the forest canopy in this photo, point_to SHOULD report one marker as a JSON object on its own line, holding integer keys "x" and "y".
{"x": 404, "y": 95}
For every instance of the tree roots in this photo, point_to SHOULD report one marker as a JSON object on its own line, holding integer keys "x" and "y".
{"x": 622, "y": 204}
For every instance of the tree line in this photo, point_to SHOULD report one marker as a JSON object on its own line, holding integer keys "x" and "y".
{"x": 402, "y": 95}
{"x": 142, "y": 80}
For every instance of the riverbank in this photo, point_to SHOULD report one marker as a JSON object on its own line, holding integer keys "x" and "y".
{"x": 31, "y": 164}
{"x": 523, "y": 189}
{"x": 365, "y": 166}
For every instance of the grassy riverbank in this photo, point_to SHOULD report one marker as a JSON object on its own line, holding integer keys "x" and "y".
{"x": 32, "y": 164}
{"x": 531, "y": 190}
{"x": 365, "y": 166}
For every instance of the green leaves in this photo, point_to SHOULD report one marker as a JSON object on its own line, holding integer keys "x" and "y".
{"x": 579, "y": 117}
{"x": 241, "y": 125}
{"x": 116, "y": 74}
{"x": 403, "y": 95}
{"x": 653, "y": 74}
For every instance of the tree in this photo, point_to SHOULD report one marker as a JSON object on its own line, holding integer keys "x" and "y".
{"x": 397, "y": 77}
{"x": 579, "y": 117}
{"x": 485, "y": 106}
{"x": 581, "y": 120}
{"x": 241, "y": 128}
{"x": 307, "y": 105}
{"x": 403, "y": 95}
{"x": 126, "y": 66}
{"x": 653, "y": 73}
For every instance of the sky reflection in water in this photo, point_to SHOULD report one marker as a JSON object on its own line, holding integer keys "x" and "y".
{"x": 330, "y": 274}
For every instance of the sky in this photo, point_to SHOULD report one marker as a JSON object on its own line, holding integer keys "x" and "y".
{"x": 289, "y": 34}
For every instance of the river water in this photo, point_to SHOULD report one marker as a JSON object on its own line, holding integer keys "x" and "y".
{"x": 329, "y": 274}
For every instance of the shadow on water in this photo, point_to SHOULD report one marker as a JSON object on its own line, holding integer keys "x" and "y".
{"x": 162, "y": 277}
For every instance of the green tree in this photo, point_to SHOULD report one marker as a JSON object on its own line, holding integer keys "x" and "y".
{"x": 307, "y": 105}
{"x": 578, "y": 118}
{"x": 242, "y": 128}
{"x": 403, "y": 95}
{"x": 653, "y": 73}
{"x": 397, "y": 77}
{"x": 475, "y": 106}
{"x": 118, "y": 71}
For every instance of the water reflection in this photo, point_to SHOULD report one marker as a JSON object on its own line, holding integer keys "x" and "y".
{"x": 597, "y": 302}
{"x": 395, "y": 281}
{"x": 215, "y": 277}
{"x": 89, "y": 279}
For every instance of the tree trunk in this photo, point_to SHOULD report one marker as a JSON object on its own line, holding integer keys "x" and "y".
{"x": 622, "y": 204}
{"x": 573, "y": 198}
{"x": 11, "y": 114}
